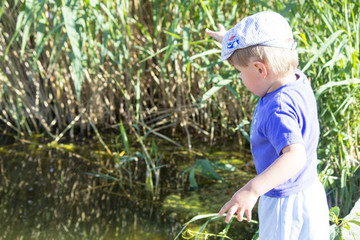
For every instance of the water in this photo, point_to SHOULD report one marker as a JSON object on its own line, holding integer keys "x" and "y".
{"x": 54, "y": 192}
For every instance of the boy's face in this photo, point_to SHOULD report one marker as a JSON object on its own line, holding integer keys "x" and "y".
{"x": 252, "y": 78}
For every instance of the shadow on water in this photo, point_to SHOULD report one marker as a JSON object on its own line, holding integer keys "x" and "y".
{"x": 54, "y": 192}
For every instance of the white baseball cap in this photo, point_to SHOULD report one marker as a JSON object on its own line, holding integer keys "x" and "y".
{"x": 264, "y": 28}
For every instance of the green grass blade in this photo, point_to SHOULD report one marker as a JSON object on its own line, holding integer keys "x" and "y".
{"x": 214, "y": 89}
{"x": 2, "y": 8}
{"x": 330, "y": 85}
{"x": 108, "y": 13}
{"x": 206, "y": 164}
{"x": 208, "y": 52}
{"x": 40, "y": 32}
{"x": 323, "y": 48}
{"x": 208, "y": 14}
{"x": 124, "y": 137}
{"x": 29, "y": 11}
{"x": 19, "y": 24}
{"x": 74, "y": 37}
{"x": 192, "y": 179}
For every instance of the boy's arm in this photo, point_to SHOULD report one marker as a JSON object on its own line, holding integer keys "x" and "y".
{"x": 291, "y": 161}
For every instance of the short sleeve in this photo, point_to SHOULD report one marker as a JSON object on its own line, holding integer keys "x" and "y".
{"x": 283, "y": 129}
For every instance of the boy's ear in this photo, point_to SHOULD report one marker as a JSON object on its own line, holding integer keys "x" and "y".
{"x": 261, "y": 68}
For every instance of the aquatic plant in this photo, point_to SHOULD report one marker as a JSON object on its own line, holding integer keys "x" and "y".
{"x": 123, "y": 169}
{"x": 206, "y": 168}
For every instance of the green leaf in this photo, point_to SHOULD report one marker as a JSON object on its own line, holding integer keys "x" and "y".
{"x": 214, "y": 89}
{"x": 234, "y": 92}
{"x": 192, "y": 179}
{"x": 108, "y": 13}
{"x": 335, "y": 233}
{"x": 172, "y": 34}
{"x": 124, "y": 136}
{"x": 2, "y": 8}
{"x": 255, "y": 236}
{"x": 40, "y": 32}
{"x": 323, "y": 48}
{"x": 74, "y": 37}
{"x": 208, "y": 14}
{"x": 223, "y": 166}
{"x": 213, "y": 216}
{"x": 206, "y": 164}
{"x": 202, "y": 228}
{"x": 29, "y": 7}
{"x": 19, "y": 24}
{"x": 330, "y": 85}
{"x": 208, "y": 52}
{"x": 138, "y": 95}
{"x": 155, "y": 54}
{"x": 355, "y": 222}
{"x": 242, "y": 130}
{"x": 334, "y": 211}
{"x": 186, "y": 47}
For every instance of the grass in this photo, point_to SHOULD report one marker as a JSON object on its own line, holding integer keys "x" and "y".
{"x": 73, "y": 67}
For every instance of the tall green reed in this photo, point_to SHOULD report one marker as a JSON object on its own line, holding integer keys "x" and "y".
{"x": 133, "y": 164}
{"x": 141, "y": 62}
{"x": 334, "y": 68}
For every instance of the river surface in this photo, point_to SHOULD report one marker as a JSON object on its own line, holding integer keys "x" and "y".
{"x": 80, "y": 190}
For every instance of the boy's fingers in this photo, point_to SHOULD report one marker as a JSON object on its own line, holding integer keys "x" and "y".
{"x": 248, "y": 215}
{"x": 218, "y": 36}
{"x": 239, "y": 215}
{"x": 211, "y": 33}
{"x": 223, "y": 209}
{"x": 221, "y": 28}
{"x": 231, "y": 212}
{"x": 208, "y": 32}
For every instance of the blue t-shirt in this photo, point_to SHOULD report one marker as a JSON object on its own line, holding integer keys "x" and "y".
{"x": 286, "y": 116}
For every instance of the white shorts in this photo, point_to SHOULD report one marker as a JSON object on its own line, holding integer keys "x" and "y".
{"x": 304, "y": 215}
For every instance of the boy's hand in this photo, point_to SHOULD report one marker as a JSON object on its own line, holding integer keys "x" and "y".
{"x": 218, "y": 36}
{"x": 242, "y": 202}
{"x": 291, "y": 161}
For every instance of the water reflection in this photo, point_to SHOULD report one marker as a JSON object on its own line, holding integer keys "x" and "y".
{"x": 53, "y": 193}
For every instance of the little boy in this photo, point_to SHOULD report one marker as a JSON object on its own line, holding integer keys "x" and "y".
{"x": 284, "y": 131}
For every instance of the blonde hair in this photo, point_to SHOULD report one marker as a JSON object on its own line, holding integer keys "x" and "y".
{"x": 280, "y": 60}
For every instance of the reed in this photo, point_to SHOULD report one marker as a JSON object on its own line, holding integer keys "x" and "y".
{"x": 334, "y": 67}
{"x": 66, "y": 65}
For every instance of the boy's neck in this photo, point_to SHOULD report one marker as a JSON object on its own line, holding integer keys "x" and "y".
{"x": 279, "y": 80}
